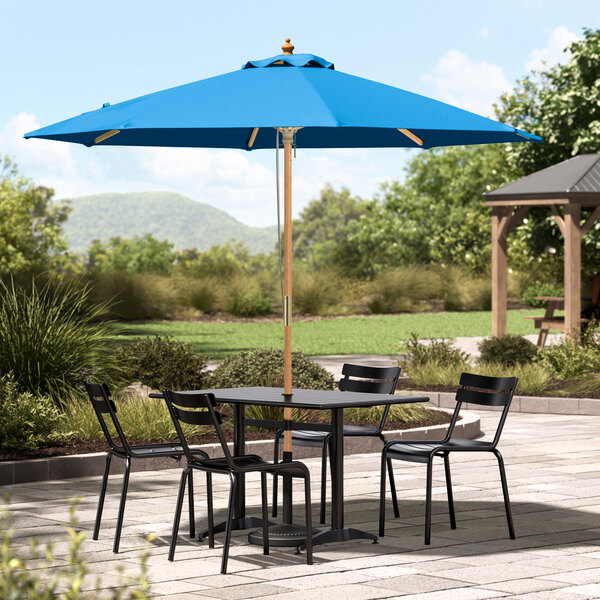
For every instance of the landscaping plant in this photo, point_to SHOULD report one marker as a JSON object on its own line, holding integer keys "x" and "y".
{"x": 507, "y": 350}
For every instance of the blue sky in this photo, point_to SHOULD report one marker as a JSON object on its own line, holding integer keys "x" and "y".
{"x": 62, "y": 58}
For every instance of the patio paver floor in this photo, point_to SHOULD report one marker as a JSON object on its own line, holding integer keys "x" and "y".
{"x": 553, "y": 470}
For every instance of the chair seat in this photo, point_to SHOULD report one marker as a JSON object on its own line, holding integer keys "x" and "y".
{"x": 252, "y": 462}
{"x": 158, "y": 450}
{"x": 420, "y": 451}
{"x": 306, "y": 437}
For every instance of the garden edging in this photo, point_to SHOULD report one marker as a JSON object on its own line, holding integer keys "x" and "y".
{"x": 92, "y": 465}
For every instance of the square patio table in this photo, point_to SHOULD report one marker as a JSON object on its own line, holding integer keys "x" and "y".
{"x": 307, "y": 399}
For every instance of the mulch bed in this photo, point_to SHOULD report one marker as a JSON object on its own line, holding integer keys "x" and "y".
{"x": 85, "y": 446}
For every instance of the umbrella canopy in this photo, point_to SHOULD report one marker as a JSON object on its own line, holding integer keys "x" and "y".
{"x": 240, "y": 110}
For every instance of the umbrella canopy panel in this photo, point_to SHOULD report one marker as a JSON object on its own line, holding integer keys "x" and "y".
{"x": 241, "y": 108}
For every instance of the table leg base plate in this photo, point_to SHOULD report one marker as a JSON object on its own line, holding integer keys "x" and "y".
{"x": 237, "y": 524}
{"x": 328, "y": 536}
{"x": 282, "y": 535}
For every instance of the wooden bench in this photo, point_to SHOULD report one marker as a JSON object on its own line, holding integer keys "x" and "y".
{"x": 548, "y": 320}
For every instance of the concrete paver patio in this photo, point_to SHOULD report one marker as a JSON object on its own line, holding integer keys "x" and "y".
{"x": 553, "y": 470}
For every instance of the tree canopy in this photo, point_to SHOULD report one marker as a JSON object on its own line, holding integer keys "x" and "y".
{"x": 30, "y": 224}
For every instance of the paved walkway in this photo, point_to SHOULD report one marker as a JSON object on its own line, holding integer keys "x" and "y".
{"x": 553, "y": 469}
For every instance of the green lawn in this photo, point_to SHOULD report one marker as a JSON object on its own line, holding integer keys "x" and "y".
{"x": 347, "y": 335}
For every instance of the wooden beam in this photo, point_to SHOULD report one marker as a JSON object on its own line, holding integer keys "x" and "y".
{"x": 409, "y": 134}
{"x": 559, "y": 219}
{"x": 499, "y": 271}
{"x": 252, "y": 137}
{"x": 590, "y": 222}
{"x": 527, "y": 202}
{"x": 516, "y": 219}
{"x": 106, "y": 135}
{"x": 572, "y": 277}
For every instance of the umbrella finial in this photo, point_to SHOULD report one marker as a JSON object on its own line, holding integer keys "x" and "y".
{"x": 287, "y": 47}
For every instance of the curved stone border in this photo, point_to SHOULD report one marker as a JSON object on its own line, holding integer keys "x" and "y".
{"x": 527, "y": 404}
{"x": 92, "y": 465}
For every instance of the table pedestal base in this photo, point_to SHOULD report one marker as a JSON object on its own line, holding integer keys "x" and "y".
{"x": 237, "y": 524}
{"x": 327, "y": 536}
{"x": 289, "y": 535}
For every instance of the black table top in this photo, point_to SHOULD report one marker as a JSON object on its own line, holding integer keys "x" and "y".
{"x": 315, "y": 399}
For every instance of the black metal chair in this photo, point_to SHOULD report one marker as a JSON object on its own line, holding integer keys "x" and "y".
{"x": 100, "y": 397}
{"x": 179, "y": 404}
{"x": 475, "y": 389}
{"x": 373, "y": 380}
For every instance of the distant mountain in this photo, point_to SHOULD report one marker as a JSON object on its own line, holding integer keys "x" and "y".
{"x": 166, "y": 215}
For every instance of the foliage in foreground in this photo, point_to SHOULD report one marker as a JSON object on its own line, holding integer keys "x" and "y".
{"x": 569, "y": 360}
{"x": 29, "y": 573}
{"x": 507, "y": 350}
{"x": 26, "y": 421}
{"x": 162, "y": 362}
{"x": 440, "y": 352}
{"x": 51, "y": 338}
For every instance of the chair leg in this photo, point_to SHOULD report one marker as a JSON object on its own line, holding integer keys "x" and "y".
{"x": 177, "y": 518}
{"x": 275, "y": 478}
{"x": 122, "y": 505}
{"x": 232, "y": 489}
{"x": 101, "y": 498}
{"x": 323, "y": 483}
{"x": 428, "y": 502}
{"x": 393, "y": 489}
{"x": 511, "y": 528}
{"x": 384, "y": 462}
{"x": 191, "y": 504}
{"x": 449, "y": 491}
{"x": 211, "y": 518}
{"x": 265, "y": 512}
{"x": 308, "y": 523}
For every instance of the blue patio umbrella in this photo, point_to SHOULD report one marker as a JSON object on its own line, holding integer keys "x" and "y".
{"x": 301, "y": 96}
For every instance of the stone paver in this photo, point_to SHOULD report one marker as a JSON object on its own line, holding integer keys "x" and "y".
{"x": 554, "y": 481}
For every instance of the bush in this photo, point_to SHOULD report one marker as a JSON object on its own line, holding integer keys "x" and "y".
{"x": 264, "y": 367}
{"x": 569, "y": 360}
{"x": 404, "y": 413}
{"x": 465, "y": 292}
{"x": 507, "y": 350}
{"x": 51, "y": 338}
{"x": 540, "y": 289}
{"x": 28, "y": 572}
{"x": 26, "y": 421}
{"x": 316, "y": 292}
{"x": 134, "y": 296}
{"x": 440, "y": 352}
{"x": 162, "y": 362}
{"x": 249, "y": 304}
{"x": 203, "y": 299}
{"x": 400, "y": 289}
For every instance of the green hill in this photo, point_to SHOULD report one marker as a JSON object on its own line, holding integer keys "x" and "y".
{"x": 166, "y": 215}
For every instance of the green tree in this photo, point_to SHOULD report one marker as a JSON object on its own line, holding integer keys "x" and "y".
{"x": 319, "y": 235}
{"x": 223, "y": 261}
{"x": 137, "y": 255}
{"x": 562, "y": 105}
{"x": 437, "y": 215}
{"x": 30, "y": 224}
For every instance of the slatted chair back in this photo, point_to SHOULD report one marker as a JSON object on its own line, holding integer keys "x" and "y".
{"x": 196, "y": 409}
{"x": 100, "y": 397}
{"x": 484, "y": 391}
{"x": 370, "y": 380}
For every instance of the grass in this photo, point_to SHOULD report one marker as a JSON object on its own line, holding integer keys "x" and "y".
{"x": 378, "y": 334}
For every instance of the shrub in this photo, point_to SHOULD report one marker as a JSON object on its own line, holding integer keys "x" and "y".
{"x": 404, "y": 413}
{"x": 203, "y": 298}
{"x": 162, "y": 362}
{"x": 29, "y": 572}
{"x": 51, "y": 338}
{"x": 508, "y": 350}
{"x": 26, "y": 421}
{"x": 134, "y": 295}
{"x": 398, "y": 290}
{"x": 569, "y": 360}
{"x": 465, "y": 292}
{"x": 316, "y": 292}
{"x": 540, "y": 289}
{"x": 430, "y": 372}
{"x": 440, "y": 352}
{"x": 264, "y": 367}
{"x": 249, "y": 304}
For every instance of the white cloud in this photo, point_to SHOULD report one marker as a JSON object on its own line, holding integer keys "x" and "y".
{"x": 484, "y": 33}
{"x": 553, "y": 53}
{"x": 460, "y": 81}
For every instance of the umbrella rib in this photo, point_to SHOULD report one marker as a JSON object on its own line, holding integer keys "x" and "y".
{"x": 106, "y": 135}
{"x": 410, "y": 135}
{"x": 252, "y": 137}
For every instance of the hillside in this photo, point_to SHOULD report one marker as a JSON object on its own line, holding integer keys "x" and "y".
{"x": 166, "y": 215}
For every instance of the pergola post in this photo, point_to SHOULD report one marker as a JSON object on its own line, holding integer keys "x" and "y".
{"x": 572, "y": 277}
{"x": 499, "y": 270}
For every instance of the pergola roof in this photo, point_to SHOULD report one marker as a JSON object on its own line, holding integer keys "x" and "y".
{"x": 576, "y": 179}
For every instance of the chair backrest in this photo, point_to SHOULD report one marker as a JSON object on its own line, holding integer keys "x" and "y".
{"x": 196, "y": 409}
{"x": 485, "y": 391}
{"x": 370, "y": 380}
{"x": 100, "y": 397}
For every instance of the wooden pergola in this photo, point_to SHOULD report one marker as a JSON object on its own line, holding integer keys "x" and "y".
{"x": 565, "y": 188}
